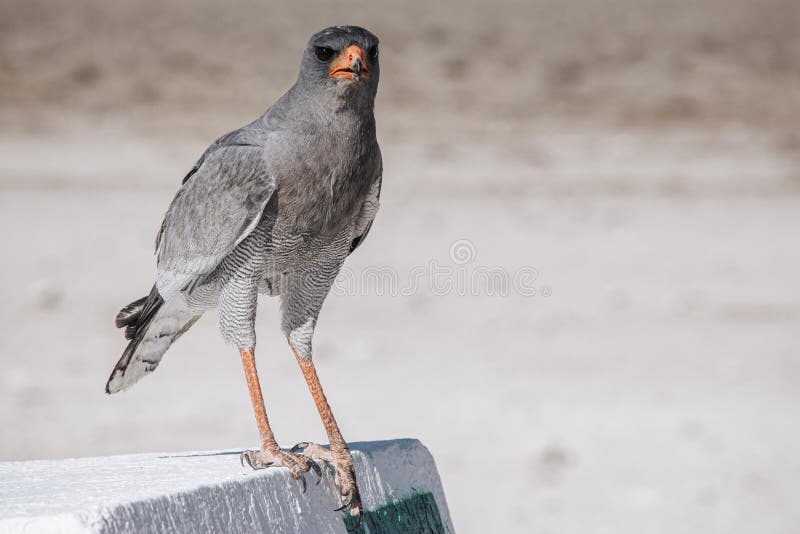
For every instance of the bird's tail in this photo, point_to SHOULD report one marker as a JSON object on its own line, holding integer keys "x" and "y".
{"x": 152, "y": 325}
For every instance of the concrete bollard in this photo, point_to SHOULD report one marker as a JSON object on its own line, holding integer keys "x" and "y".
{"x": 211, "y": 492}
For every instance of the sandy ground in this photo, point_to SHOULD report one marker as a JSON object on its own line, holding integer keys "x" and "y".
{"x": 634, "y": 165}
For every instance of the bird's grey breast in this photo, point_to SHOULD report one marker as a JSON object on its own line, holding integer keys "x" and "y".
{"x": 323, "y": 173}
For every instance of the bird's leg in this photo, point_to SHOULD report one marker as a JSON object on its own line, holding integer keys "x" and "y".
{"x": 338, "y": 455}
{"x": 268, "y": 442}
{"x": 270, "y": 454}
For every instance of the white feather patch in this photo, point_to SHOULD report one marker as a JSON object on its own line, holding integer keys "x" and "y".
{"x": 300, "y": 338}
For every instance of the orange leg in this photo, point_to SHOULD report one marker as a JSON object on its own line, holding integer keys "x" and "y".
{"x": 338, "y": 445}
{"x": 268, "y": 442}
{"x": 270, "y": 454}
{"x": 339, "y": 455}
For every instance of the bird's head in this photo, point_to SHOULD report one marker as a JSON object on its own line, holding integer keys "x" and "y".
{"x": 341, "y": 60}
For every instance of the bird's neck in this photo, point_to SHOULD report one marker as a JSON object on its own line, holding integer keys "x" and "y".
{"x": 348, "y": 111}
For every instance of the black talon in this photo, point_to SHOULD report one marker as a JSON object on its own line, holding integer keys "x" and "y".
{"x": 298, "y": 446}
{"x": 245, "y": 457}
{"x": 346, "y": 503}
{"x": 302, "y": 480}
{"x": 314, "y": 467}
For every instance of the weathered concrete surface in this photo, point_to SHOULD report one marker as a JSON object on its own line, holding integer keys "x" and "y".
{"x": 212, "y": 492}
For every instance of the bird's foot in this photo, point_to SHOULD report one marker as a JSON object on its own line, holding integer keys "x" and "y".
{"x": 297, "y": 464}
{"x": 344, "y": 475}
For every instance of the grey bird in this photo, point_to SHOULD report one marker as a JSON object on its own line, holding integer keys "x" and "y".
{"x": 274, "y": 207}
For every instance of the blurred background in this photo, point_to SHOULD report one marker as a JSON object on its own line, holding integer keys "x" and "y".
{"x": 639, "y": 159}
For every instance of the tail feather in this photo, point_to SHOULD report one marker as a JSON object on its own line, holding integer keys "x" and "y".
{"x": 152, "y": 326}
{"x": 138, "y": 313}
{"x": 130, "y": 313}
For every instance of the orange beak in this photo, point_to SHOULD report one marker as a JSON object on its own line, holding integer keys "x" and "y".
{"x": 351, "y": 64}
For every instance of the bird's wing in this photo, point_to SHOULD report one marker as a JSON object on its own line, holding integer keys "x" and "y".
{"x": 218, "y": 205}
{"x": 367, "y": 214}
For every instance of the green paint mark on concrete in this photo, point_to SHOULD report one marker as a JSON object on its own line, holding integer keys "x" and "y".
{"x": 415, "y": 514}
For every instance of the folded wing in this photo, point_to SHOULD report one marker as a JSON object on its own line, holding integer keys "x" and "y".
{"x": 218, "y": 205}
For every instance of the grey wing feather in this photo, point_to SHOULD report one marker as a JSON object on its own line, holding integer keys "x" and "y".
{"x": 368, "y": 211}
{"x": 218, "y": 205}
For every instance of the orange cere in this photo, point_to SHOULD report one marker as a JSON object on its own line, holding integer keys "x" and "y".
{"x": 340, "y": 68}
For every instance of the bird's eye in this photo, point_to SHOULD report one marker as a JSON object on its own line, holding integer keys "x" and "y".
{"x": 373, "y": 52}
{"x": 323, "y": 53}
